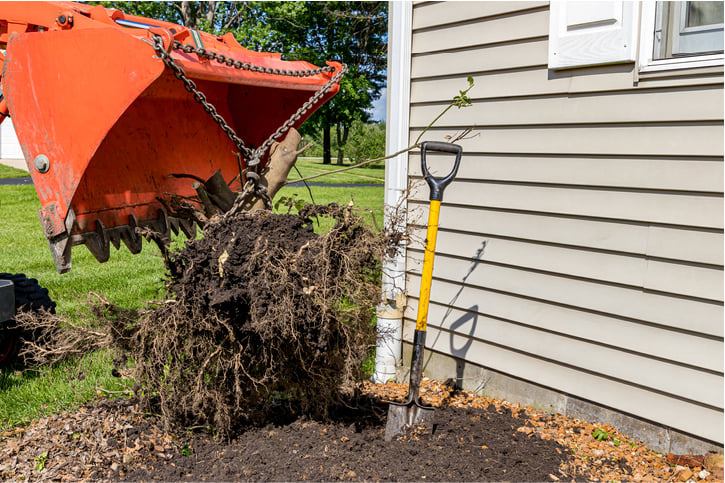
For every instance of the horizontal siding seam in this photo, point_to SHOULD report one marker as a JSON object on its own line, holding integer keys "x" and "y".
{"x": 483, "y": 46}
{"x": 621, "y": 189}
{"x": 587, "y": 371}
{"x": 423, "y": 4}
{"x": 505, "y": 70}
{"x": 641, "y": 256}
{"x": 569, "y": 94}
{"x": 574, "y": 277}
{"x": 480, "y": 19}
{"x": 633, "y": 124}
{"x": 655, "y": 157}
{"x": 578, "y": 217}
{"x": 500, "y": 43}
{"x": 568, "y": 336}
{"x": 600, "y": 313}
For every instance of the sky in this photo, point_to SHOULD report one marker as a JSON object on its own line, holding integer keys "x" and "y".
{"x": 378, "y": 108}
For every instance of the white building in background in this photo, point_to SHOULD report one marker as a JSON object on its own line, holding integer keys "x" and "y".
{"x": 9, "y": 144}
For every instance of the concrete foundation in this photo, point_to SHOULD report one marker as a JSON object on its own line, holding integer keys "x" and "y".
{"x": 481, "y": 380}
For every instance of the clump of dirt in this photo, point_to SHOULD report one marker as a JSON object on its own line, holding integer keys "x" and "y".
{"x": 265, "y": 318}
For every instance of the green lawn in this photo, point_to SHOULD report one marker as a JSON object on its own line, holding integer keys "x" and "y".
{"x": 313, "y": 166}
{"x": 127, "y": 280}
{"x": 8, "y": 172}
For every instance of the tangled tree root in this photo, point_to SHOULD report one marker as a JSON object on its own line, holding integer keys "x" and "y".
{"x": 266, "y": 317}
{"x": 50, "y": 339}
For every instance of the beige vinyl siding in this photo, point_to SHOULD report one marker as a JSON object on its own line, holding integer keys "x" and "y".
{"x": 640, "y": 139}
{"x": 673, "y": 379}
{"x": 704, "y": 317}
{"x": 686, "y": 348}
{"x": 581, "y": 246}
{"x": 677, "y": 174}
{"x": 700, "y": 103}
{"x": 613, "y": 236}
{"x": 680, "y": 208}
{"x": 538, "y": 80}
{"x": 439, "y": 13}
{"x": 699, "y": 281}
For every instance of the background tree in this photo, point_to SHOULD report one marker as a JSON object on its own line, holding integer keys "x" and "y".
{"x": 351, "y": 32}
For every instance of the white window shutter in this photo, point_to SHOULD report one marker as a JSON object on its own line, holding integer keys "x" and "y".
{"x": 591, "y": 33}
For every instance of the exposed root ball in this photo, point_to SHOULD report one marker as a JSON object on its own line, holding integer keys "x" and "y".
{"x": 267, "y": 317}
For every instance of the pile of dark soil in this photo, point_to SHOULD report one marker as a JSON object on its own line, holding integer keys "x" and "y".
{"x": 477, "y": 439}
{"x": 265, "y": 318}
{"x": 468, "y": 445}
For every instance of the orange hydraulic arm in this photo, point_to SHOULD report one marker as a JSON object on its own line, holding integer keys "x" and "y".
{"x": 103, "y": 123}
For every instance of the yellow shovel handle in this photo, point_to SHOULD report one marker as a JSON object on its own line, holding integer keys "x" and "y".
{"x": 421, "y": 322}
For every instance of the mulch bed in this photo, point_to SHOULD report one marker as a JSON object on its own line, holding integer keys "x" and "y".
{"x": 476, "y": 439}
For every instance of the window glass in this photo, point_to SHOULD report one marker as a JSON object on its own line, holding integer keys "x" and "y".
{"x": 704, "y": 13}
{"x": 687, "y": 29}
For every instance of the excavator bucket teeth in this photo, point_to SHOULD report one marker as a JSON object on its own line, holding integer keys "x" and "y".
{"x": 188, "y": 228}
{"x": 104, "y": 124}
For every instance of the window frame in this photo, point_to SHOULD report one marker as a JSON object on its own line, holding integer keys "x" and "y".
{"x": 646, "y": 46}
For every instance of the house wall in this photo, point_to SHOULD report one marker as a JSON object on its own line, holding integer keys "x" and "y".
{"x": 581, "y": 246}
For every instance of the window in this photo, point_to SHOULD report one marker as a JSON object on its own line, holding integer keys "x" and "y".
{"x": 681, "y": 34}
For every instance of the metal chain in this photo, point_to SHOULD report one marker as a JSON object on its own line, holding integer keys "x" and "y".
{"x": 251, "y": 188}
{"x": 199, "y": 97}
{"x": 253, "y": 156}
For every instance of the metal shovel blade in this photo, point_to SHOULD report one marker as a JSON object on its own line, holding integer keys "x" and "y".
{"x": 403, "y": 417}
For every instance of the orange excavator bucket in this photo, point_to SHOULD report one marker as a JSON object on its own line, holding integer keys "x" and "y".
{"x": 103, "y": 122}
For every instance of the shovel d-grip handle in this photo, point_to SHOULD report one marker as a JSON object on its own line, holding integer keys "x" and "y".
{"x": 437, "y": 186}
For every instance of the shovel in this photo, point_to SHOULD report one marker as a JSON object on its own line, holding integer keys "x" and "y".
{"x": 413, "y": 413}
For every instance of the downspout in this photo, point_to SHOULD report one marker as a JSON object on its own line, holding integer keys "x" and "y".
{"x": 390, "y": 313}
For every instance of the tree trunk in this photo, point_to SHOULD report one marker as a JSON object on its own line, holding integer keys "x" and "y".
{"x": 342, "y": 133}
{"x": 188, "y": 15}
{"x": 340, "y": 145}
{"x": 211, "y": 11}
{"x": 282, "y": 157}
{"x": 326, "y": 148}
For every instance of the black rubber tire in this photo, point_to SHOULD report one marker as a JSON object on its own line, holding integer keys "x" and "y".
{"x": 29, "y": 295}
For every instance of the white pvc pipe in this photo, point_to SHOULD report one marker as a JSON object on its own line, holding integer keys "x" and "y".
{"x": 390, "y": 313}
{"x": 390, "y": 335}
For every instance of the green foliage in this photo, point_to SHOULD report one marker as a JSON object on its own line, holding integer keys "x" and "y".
{"x": 462, "y": 99}
{"x": 289, "y": 202}
{"x": 600, "y": 435}
{"x": 365, "y": 141}
{"x": 40, "y": 461}
{"x": 186, "y": 450}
